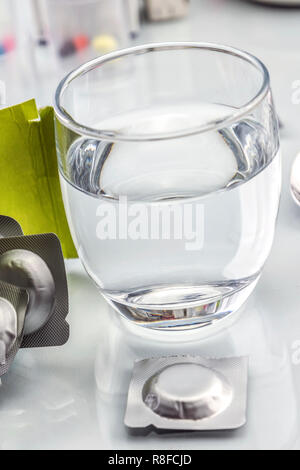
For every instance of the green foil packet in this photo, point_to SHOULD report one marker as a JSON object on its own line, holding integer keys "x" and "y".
{"x": 29, "y": 189}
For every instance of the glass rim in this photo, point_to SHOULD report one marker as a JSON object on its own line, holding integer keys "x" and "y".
{"x": 114, "y": 136}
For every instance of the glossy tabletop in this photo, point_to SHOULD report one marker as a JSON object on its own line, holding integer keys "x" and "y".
{"x": 74, "y": 397}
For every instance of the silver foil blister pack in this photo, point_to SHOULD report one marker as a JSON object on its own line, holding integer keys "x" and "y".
{"x": 188, "y": 393}
{"x": 9, "y": 227}
{"x": 33, "y": 292}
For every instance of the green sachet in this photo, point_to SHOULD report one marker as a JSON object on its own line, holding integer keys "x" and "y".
{"x": 29, "y": 186}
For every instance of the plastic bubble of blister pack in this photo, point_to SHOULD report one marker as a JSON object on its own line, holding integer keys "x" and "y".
{"x": 33, "y": 292}
{"x": 188, "y": 393}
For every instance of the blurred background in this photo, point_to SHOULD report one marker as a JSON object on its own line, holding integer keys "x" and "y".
{"x": 42, "y": 40}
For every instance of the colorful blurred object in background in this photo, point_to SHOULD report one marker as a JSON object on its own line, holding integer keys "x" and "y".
{"x": 161, "y": 10}
{"x": 286, "y": 3}
{"x": 82, "y": 29}
{"x": 7, "y": 35}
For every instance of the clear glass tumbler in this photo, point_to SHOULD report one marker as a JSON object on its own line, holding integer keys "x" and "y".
{"x": 170, "y": 172}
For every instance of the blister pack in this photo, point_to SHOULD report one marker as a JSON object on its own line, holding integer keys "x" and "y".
{"x": 9, "y": 227}
{"x": 33, "y": 292}
{"x": 188, "y": 393}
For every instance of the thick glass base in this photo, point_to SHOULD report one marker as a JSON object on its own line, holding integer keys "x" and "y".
{"x": 187, "y": 317}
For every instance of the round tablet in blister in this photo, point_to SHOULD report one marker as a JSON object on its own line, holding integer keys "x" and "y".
{"x": 27, "y": 270}
{"x": 187, "y": 391}
{"x": 8, "y": 328}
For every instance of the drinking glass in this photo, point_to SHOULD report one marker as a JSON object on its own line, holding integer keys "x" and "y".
{"x": 170, "y": 171}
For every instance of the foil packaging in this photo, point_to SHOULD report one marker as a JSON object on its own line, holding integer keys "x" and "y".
{"x": 188, "y": 393}
{"x": 33, "y": 292}
{"x": 9, "y": 227}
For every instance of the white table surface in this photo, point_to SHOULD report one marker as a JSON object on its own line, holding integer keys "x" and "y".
{"x": 74, "y": 397}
